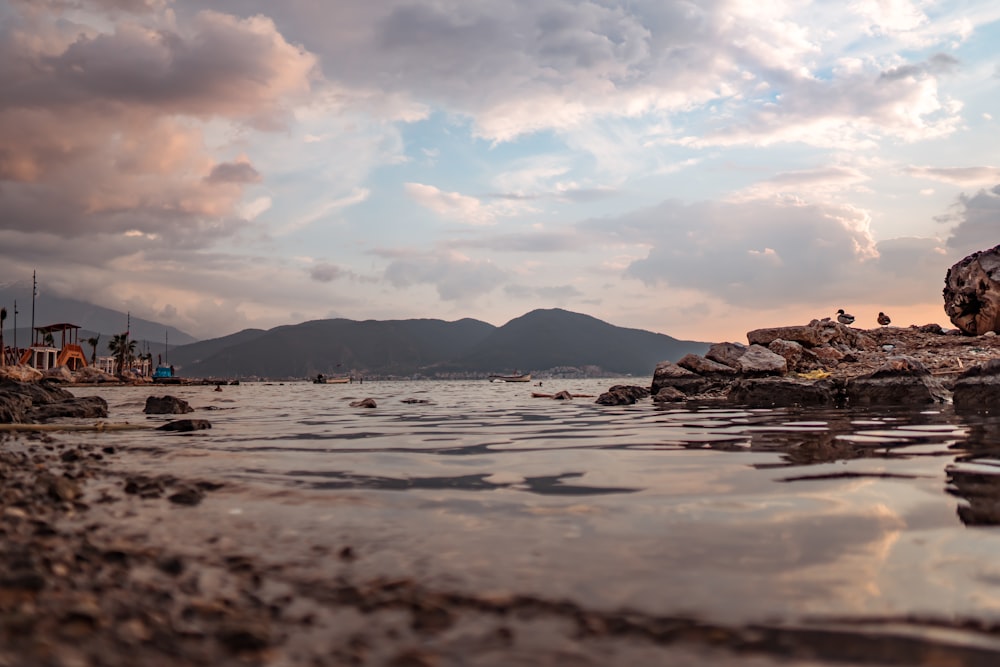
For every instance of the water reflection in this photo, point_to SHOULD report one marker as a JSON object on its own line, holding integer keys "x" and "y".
{"x": 975, "y": 474}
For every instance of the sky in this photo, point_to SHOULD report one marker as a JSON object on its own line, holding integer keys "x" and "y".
{"x": 698, "y": 169}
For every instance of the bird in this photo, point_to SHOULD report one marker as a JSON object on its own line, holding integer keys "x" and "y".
{"x": 844, "y": 318}
{"x": 883, "y": 319}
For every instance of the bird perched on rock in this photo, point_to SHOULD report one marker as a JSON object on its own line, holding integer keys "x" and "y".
{"x": 883, "y": 319}
{"x": 844, "y": 318}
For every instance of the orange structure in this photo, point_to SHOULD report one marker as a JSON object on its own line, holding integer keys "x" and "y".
{"x": 43, "y": 353}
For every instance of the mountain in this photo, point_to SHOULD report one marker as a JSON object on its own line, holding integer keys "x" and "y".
{"x": 187, "y": 355}
{"x": 92, "y": 320}
{"x": 538, "y": 341}
{"x": 544, "y": 339}
{"x": 334, "y": 347}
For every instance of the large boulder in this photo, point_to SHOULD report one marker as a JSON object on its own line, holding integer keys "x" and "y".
{"x": 900, "y": 380}
{"x": 705, "y": 367}
{"x": 726, "y": 353}
{"x": 92, "y": 375}
{"x": 668, "y": 374}
{"x": 28, "y": 402}
{"x": 20, "y": 373}
{"x": 782, "y": 392}
{"x": 621, "y": 394}
{"x": 84, "y": 407}
{"x": 972, "y": 292}
{"x": 812, "y": 334}
{"x": 978, "y": 388}
{"x": 60, "y": 374}
{"x": 166, "y": 405}
{"x": 759, "y": 360}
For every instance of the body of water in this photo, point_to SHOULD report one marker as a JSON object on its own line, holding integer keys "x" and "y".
{"x": 738, "y": 517}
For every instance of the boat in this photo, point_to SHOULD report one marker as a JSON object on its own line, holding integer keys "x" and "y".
{"x": 511, "y": 378}
{"x": 340, "y": 379}
{"x": 165, "y": 375}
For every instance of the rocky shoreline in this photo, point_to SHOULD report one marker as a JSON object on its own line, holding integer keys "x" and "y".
{"x": 825, "y": 363}
{"x": 84, "y": 586}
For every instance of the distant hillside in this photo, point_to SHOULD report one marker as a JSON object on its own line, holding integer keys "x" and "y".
{"x": 92, "y": 319}
{"x": 187, "y": 355}
{"x": 538, "y": 341}
{"x": 544, "y": 339}
{"x": 333, "y": 347}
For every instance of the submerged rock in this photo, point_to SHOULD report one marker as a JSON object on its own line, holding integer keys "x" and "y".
{"x": 783, "y": 392}
{"x": 166, "y": 405}
{"x": 364, "y": 403}
{"x": 668, "y": 374}
{"x": 978, "y": 389}
{"x": 621, "y": 394}
{"x": 900, "y": 381}
{"x": 186, "y": 425}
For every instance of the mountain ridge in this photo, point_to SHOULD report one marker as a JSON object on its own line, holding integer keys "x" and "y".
{"x": 541, "y": 341}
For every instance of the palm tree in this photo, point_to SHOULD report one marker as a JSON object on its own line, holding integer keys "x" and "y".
{"x": 123, "y": 350}
{"x": 92, "y": 342}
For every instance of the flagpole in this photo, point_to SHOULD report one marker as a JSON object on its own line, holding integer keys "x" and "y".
{"x": 34, "y": 291}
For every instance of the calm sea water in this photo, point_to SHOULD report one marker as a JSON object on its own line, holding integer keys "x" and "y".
{"x": 738, "y": 516}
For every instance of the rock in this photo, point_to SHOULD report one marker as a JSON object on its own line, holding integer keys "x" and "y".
{"x": 84, "y": 407}
{"x": 759, "y": 360}
{"x": 668, "y": 374}
{"x": 188, "y": 495}
{"x": 562, "y": 396}
{"x": 783, "y": 392}
{"x": 705, "y": 367}
{"x": 900, "y": 381}
{"x": 58, "y": 374}
{"x": 186, "y": 425}
{"x": 794, "y": 354}
{"x": 14, "y": 408}
{"x": 364, "y": 403}
{"x": 828, "y": 356}
{"x": 978, "y": 388}
{"x": 931, "y": 329}
{"x": 621, "y": 394}
{"x": 92, "y": 375}
{"x": 726, "y": 353}
{"x": 166, "y": 405}
{"x": 20, "y": 373}
{"x": 813, "y": 334}
{"x": 669, "y": 395}
{"x": 972, "y": 292}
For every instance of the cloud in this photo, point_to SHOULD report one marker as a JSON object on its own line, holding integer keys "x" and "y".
{"x": 975, "y": 219}
{"x": 531, "y": 242}
{"x": 558, "y": 295}
{"x": 817, "y": 182}
{"x": 961, "y": 176}
{"x": 763, "y": 253}
{"x": 451, "y": 205}
{"x": 455, "y": 277}
{"x": 325, "y": 272}
{"x": 233, "y": 172}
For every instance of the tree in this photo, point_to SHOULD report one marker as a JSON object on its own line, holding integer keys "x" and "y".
{"x": 92, "y": 342}
{"x": 123, "y": 350}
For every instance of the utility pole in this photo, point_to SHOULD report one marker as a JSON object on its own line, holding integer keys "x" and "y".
{"x": 34, "y": 292}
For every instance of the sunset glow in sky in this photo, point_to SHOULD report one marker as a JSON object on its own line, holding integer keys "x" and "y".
{"x": 693, "y": 168}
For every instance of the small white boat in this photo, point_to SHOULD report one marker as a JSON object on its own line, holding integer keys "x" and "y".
{"x": 322, "y": 379}
{"x": 511, "y": 378}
